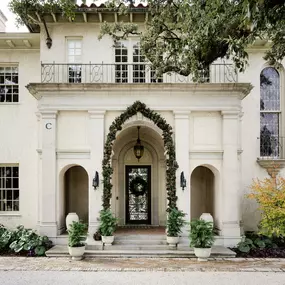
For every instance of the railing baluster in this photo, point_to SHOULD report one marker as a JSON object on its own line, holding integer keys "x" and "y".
{"x": 128, "y": 73}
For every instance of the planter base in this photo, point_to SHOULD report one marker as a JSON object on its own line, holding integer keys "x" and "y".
{"x": 76, "y": 253}
{"x": 202, "y": 253}
{"x": 172, "y": 241}
{"x": 107, "y": 240}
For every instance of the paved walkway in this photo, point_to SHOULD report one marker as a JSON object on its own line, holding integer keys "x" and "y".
{"x": 141, "y": 278}
{"x": 142, "y": 264}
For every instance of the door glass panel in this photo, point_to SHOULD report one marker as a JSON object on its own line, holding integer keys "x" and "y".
{"x": 138, "y": 194}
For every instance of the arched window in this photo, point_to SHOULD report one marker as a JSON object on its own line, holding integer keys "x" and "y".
{"x": 270, "y": 112}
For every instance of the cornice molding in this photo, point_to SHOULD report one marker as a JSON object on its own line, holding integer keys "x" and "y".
{"x": 38, "y": 90}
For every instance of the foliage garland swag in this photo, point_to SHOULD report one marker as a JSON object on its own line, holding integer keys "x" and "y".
{"x": 171, "y": 164}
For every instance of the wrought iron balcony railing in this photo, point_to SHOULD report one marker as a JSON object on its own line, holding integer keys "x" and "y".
{"x": 272, "y": 147}
{"x": 128, "y": 73}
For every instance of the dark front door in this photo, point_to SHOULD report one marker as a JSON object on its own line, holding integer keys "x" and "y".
{"x": 138, "y": 195}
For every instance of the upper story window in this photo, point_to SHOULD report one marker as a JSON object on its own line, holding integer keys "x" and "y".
{"x": 9, "y": 188}
{"x": 121, "y": 63}
{"x": 74, "y": 55}
{"x": 270, "y": 113}
{"x": 9, "y": 84}
{"x": 131, "y": 65}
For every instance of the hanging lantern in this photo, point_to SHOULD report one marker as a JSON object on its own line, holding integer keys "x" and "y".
{"x": 138, "y": 147}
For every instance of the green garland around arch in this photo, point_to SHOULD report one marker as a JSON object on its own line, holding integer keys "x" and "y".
{"x": 171, "y": 164}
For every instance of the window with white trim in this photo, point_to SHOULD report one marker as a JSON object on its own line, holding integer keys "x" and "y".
{"x": 270, "y": 113}
{"x": 131, "y": 64}
{"x": 9, "y": 188}
{"x": 9, "y": 84}
{"x": 121, "y": 63}
{"x": 74, "y": 55}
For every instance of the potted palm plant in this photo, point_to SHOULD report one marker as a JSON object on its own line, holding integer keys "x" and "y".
{"x": 77, "y": 233}
{"x": 174, "y": 225}
{"x": 108, "y": 224}
{"x": 201, "y": 238}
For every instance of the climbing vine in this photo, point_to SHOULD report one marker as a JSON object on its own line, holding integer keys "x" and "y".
{"x": 171, "y": 164}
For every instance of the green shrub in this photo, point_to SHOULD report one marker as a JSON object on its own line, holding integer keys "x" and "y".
{"x": 5, "y": 238}
{"x": 29, "y": 240}
{"x": 201, "y": 234}
{"x": 253, "y": 240}
{"x": 77, "y": 234}
{"x": 269, "y": 193}
{"x": 175, "y": 222}
{"x": 108, "y": 223}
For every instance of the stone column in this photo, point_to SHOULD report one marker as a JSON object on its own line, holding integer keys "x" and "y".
{"x": 231, "y": 178}
{"x": 96, "y": 142}
{"x": 182, "y": 147}
{"x": 48, "y": 218}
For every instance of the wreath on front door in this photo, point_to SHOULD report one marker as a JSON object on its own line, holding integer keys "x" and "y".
{"x": 138, "y": 186}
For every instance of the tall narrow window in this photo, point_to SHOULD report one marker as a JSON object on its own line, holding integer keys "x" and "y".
{"x": 9, "y": 84}
{"x": 138, "y": 65}
{"x": 121, "y": 63}
{"x": 74, "y": 53}
{"x": 269, "y": 112}
{"x": 9, "y": 188}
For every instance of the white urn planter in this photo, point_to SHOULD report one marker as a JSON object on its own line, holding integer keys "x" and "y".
{"x": 76, "y": 253}
{"x": 202, "y": 253}
{"x": 207, "y": 217}
{"x": 107, "y": 240}
{"x": 70, "y": 218}
{"x": 172, "y": 241}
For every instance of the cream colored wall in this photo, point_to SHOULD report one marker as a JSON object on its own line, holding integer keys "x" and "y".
{"x": 206, "y": 131}
{"x": 250, "y": 136}
{"x": 72, "y": 131}
{"x": 18, "y": 129}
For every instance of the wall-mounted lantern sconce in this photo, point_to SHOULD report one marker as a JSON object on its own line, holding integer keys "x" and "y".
{"x": 95, "y": 183}
{"x": 182, "y": 180}
{"x": 49, "y": 42}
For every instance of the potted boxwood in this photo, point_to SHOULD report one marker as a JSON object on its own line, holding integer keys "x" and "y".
{"x": 201, "y": 238}
{"x": 174, "y": 224}
{"x": 77, "y": 234}
{"x": 108, "y": 224}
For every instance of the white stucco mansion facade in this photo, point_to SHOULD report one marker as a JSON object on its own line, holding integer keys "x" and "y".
{"x": 57, "y": 104}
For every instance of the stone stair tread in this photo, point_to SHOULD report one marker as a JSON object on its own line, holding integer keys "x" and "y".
{"x": 217, "y": 251}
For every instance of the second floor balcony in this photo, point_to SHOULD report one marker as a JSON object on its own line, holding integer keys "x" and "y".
{"x": 128, "y": 73}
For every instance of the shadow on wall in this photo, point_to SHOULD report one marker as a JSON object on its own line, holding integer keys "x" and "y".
{"x": 202, "y": 192}
{"x": 76, "y": 192}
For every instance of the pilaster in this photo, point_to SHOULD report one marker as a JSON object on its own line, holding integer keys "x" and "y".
{"x": 96, "y": 142}
{"x": 48, "y": 219}
{"x": 231, "y": 177}
{"x": 182, "y": 147}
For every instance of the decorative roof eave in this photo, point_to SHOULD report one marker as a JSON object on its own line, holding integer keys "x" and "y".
{"x": 83, "y": 11}
{"x": 231, "y": 89}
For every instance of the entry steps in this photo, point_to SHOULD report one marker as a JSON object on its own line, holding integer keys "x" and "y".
{"x": 140, "y": 246}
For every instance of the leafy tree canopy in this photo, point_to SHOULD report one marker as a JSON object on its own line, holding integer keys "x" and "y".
{"x": 188, "y": 34}
{"x": 191, "y": 34}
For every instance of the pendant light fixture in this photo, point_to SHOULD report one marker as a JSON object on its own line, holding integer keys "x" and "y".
{"x": 138, "y": 147}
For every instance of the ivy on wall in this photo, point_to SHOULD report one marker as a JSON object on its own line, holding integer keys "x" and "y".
{"x": 171, "y": 164}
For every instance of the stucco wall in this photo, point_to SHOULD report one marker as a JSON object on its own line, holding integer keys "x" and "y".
{"x": 18, "y": 144}
{"x": 250, "y": 136}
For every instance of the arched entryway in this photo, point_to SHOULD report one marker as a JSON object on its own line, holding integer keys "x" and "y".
{"x": 203, "y": 192}
{"x": 171, "y": 164}
{"x": 75, "y": 184}
{"x": 149, "y": 208}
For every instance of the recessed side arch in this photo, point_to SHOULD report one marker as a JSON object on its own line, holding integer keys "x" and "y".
{"x": 171, "y": 164}
{"x": 205, "y": 194}
{"x": 73, "y": 188}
